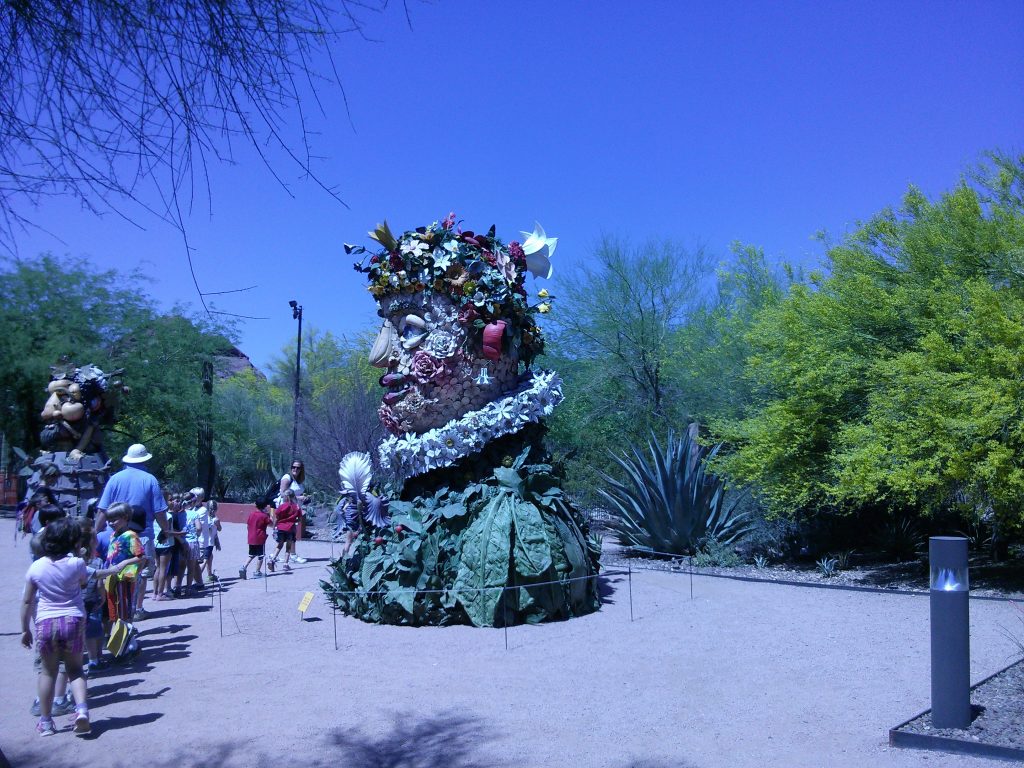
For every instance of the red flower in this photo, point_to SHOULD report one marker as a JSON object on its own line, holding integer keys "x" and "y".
{"x": 515, "y": 250}
{"x": 379, "y": 540}
{"x": 399, "y": 528}
{"x": 396, "y": 261}
{"x": 426, "y": 368}
{"x": 449, "y": 221}
{"x": 468, "y": 314}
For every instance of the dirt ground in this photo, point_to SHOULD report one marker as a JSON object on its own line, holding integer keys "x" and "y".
{"x": 740, "y": 675}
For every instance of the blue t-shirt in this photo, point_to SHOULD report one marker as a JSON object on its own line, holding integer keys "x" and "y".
{"x": 136, "y": 487}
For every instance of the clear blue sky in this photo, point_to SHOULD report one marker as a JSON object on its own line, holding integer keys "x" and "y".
{"x": 762, "y": 122}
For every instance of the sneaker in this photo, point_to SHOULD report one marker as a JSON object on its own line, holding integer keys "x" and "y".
{"x": 300, "y": 560}
{"x": 271, "y": 565}
{"x": 287, "y": 567}
{"x": 258, "y": 575}
{"x": 241, "y": 574}
{"x": 35, "y": 710}
{"x": 63, "y": 706}
{"x": 82, "y": 725}
{"x": 139, "y": 615}
{"x": 45, "y": 728}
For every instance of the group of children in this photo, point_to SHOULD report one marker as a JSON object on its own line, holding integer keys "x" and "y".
{"x": 80, "y": 589}
{"x": 186, "y": 552}
{"x": 285, "y": 519}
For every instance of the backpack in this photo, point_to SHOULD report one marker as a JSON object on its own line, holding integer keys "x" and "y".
{"x": 270, "y": 497}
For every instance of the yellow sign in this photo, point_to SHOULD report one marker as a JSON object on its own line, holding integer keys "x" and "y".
{"x": 304, "y": 603}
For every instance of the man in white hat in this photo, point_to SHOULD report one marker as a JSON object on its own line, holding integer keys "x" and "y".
{"x": 135, "y": 486}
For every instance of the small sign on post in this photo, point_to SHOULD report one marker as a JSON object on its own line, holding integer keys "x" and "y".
{"x": 304, "y": 604}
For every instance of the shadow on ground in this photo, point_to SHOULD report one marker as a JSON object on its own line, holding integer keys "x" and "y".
{"x": 447, "y": 740}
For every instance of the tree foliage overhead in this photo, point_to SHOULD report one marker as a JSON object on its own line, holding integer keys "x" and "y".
{"x": 898, "y": 378}
{"x": 105, "y": 96}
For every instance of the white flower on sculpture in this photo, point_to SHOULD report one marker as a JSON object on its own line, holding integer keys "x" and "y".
{"x": 412, "y": 454}
{"x": 415, "y": 248}
{"x": 539, "y": 248}
{"x": 443, "y": 259}
{"x": 356, "y": 472}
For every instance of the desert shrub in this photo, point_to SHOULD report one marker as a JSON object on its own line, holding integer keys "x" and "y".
{"x": 670, "y": 502}
{"x": 716, "y": 554}
{"x": 900, "y": 540}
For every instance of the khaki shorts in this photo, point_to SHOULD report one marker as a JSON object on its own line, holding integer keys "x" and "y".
{"x": 149, "y": 548}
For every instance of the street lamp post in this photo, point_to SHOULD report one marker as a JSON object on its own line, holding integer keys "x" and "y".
{"x": 297, "y": 315}
{"x": 951, "y": 636}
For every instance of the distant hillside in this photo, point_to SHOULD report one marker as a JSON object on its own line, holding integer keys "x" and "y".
{"x": 233, "y": 362}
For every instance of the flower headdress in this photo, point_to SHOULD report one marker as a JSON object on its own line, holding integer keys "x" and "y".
{"x": 482, "y": 276}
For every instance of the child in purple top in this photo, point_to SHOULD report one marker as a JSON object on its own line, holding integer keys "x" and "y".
{"x": 53, "y": 587}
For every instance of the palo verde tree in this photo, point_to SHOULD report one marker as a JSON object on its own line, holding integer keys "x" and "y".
{"x": 103, "y": 97}
{"x": 897, "y": 379}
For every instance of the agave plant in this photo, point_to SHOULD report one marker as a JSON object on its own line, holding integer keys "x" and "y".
{"x": 671, "y": 503}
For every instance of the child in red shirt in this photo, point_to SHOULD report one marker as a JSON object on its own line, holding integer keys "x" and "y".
{"x": 285, "y": 519}
{"x": 256, "y": 524}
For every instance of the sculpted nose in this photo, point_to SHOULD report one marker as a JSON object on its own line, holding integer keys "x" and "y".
{"x": 381, "y": 351}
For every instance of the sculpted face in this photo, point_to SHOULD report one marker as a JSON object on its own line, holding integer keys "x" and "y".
{"x": 436, "y": 370}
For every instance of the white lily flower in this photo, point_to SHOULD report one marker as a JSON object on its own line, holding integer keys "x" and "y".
{"x": 539, "y": 248}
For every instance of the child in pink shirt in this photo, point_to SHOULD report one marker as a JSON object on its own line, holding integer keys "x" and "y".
{"x": 53, "y": 587}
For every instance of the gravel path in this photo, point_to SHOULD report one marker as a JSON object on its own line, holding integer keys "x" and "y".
{"x": 741, "y": 675}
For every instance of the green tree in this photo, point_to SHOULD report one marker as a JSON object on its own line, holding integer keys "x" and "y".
{"x": 340, "y": 396}
{"x": 62, "y": 309}
{"x": 709, "y": 362}
{"x": 251, "y": 433}
{"x": 895, "y": 380}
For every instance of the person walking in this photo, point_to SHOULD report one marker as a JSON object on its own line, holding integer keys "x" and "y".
{"x": 53, "y": 593}
{"x": 135, "y": 485}
{"x": 295, "y": 481}
{"x": 256, "y": 529}
{"x": 286, "y": 518}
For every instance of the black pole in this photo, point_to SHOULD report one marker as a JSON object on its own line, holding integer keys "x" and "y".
{"x": 297, "y": 315}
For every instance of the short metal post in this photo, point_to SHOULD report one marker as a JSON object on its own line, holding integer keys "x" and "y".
{"x": 629, "y": 566}
{"x": 950, "y": 632}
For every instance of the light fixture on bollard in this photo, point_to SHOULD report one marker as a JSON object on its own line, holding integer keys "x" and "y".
{"x": 951, "y": 639}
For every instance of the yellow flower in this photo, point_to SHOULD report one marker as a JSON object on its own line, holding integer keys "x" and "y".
{"x": 543, "y": 293}
{"x": 544, "y": 308}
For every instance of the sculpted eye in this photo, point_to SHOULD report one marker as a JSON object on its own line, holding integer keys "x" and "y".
{"x": 412, "y": 329}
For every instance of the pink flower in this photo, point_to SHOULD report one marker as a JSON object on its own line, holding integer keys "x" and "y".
{"x": 449, "y": 221}
{"x": 515, "y": 250}
{"x": 426, "y": 368}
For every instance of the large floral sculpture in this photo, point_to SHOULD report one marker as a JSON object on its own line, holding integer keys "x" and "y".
{"x": 469, "y": 523}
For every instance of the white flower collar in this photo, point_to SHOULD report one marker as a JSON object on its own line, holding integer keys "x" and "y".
{"x": 408, "y": 455}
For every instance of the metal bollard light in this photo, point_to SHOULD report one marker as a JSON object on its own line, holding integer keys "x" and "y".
{"x": 950, "y": 620}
